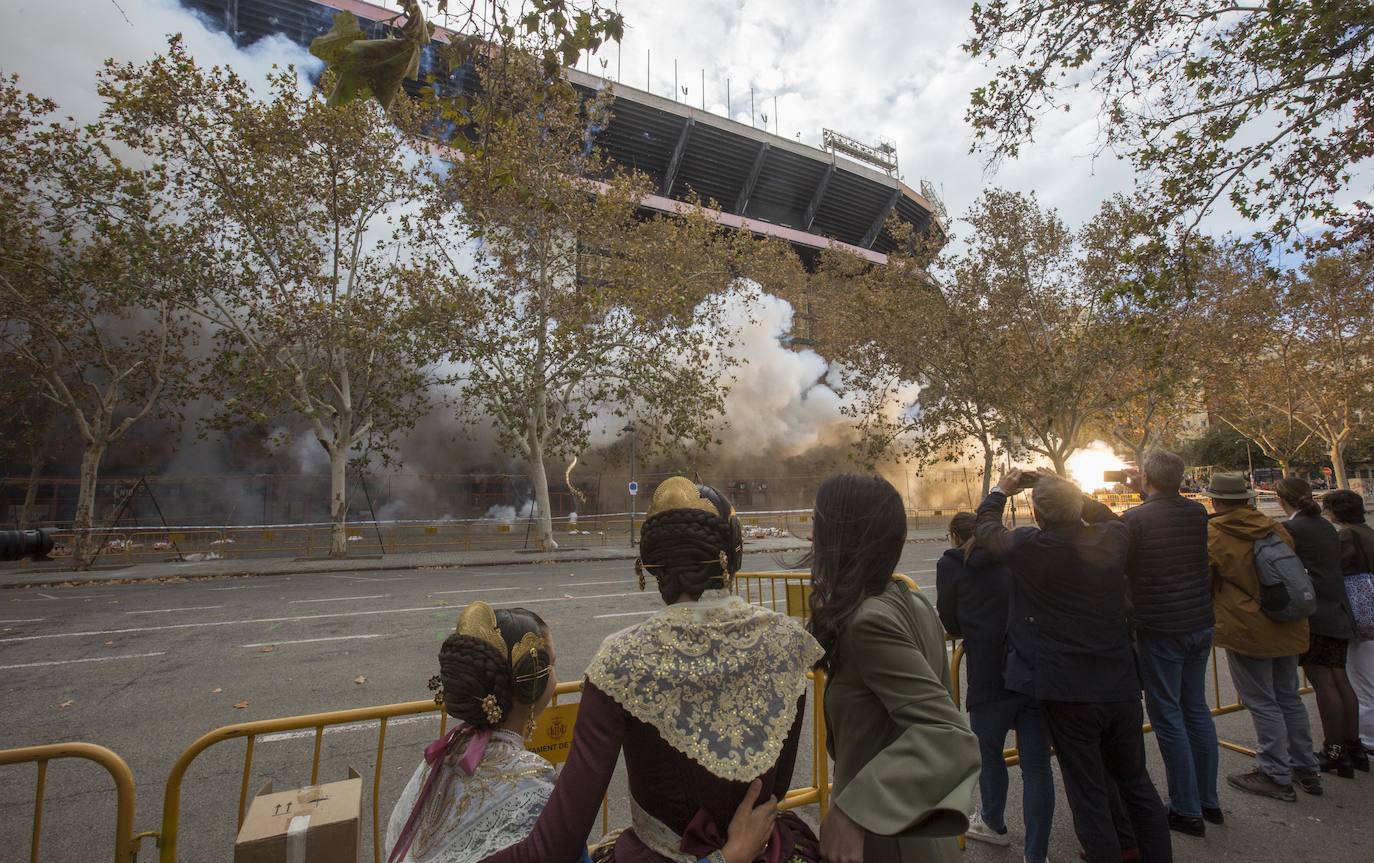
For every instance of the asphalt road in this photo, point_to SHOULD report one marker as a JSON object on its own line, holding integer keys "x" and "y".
{"x": 145, "y": 669}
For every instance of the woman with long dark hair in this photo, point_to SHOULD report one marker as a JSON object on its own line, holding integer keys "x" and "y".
{"x": 1330, "y": 627}
{"x": 905, "y": 759}
{"x": 973, "y": 597}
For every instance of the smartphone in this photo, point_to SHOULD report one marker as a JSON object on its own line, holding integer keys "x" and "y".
{"x": 1115, "y": 476}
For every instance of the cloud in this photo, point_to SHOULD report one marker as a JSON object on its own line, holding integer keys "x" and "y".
{"x": 58, "y": 47}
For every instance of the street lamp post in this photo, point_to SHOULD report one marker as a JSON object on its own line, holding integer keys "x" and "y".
{"x": 630, "y": 430}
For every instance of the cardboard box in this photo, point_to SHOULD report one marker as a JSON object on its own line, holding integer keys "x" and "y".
{"x": 315, "y": 824}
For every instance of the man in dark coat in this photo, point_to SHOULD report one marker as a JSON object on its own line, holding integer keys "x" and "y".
{"x": 1171, "y": 600}
{"x": 1069, "y": 646}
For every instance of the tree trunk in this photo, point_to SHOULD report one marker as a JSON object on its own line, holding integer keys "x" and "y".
{"x": 1338, "y": 466}
{"x": 31, "y": 491}
{"x": 1060, "y": 460}
{"x": 84, "y": 542}
{"x": 338, "y": 501}
{"x": 988, "y": 457}
{"x": 539, "y": 478}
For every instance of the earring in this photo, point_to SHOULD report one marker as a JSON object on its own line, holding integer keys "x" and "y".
{"x": 726, "y": 577}
{"x": 529, "y": 727}
{"x": 639, "y": 572}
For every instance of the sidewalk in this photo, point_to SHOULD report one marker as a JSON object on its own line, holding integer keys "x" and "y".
{"x": 59, "y": 573}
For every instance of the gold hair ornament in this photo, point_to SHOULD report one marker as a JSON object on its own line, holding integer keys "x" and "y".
{"x": 679, "y": 492}
{"x": 478, "y": 620}
{"x": 436, "y": 685}
{"x": 492, "y": 709}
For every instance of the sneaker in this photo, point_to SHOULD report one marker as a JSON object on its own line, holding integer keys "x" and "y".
{"x": 979, "y": 831}
{"x": 1213, "y": 815}
{"x": 1256, "y": 782}
{"x": 1309, "y": 781}
{"x": 1186, "y": 824}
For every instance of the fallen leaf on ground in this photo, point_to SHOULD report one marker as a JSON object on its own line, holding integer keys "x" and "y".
{"x": 108, "y": 643}
{"x": 360, "y": 680}
{"x": 268, "y": 649}
{"x": 216, "y": 691}
{"x": 242, "y": 705}
{"x": 68, "y": 703}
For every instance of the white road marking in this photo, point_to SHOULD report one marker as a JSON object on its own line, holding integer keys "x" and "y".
{"x": 361, "y": 578}
{"x": 170, "y": 610}
{"x": 341, "y": 598}
{"x": 24, "y": 620}
{"x": 335, "y": 729}
{"x": 309, "y": 640}
{"x": 474, "y": 590}
{"x": 444, "y": 608}
{"x": 242, "y": 587}
{"x": 628, "y": 614}
{"x": 47, "y": 596}
{"x": 74, "y": 661}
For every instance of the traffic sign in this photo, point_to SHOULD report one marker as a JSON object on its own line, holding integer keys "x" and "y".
{"x": 634, "y": 488}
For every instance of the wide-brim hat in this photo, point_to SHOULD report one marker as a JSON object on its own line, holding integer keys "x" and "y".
{"x": 1229, "y": 486}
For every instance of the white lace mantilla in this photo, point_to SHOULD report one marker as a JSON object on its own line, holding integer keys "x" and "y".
{"x": 469, "y": 818}
{"x": 718, "y": 678}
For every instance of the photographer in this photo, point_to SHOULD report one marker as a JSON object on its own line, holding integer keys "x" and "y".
{"x": 1069, "y": 646}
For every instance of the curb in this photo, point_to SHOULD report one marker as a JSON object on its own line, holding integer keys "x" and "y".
{"x": 78, "y": 580}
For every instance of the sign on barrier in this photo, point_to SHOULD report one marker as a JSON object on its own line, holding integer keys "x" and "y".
{"x": 552, "y": 737}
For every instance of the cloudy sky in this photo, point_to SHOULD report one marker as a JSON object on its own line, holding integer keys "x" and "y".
{"x": 868, "y": 68}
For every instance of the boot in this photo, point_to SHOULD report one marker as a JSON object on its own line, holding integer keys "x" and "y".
{"x": 1334, "y": 759}
{"x": 1359, "y": 756}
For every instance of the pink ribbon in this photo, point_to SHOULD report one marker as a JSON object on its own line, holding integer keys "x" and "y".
{"x": 435, "y": 753}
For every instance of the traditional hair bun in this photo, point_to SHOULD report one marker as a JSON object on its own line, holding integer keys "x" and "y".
{"x": 476, "y": 677}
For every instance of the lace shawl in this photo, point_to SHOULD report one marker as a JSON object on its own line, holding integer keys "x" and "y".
{"x": 719, "y": 679}
{"x": 469, "y": 818}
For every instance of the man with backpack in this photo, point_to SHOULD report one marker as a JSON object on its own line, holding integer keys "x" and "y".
{"x": 1262, "y": 597}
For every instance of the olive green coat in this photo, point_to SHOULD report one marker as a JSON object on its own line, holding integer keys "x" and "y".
{"x": 905, "y": 759}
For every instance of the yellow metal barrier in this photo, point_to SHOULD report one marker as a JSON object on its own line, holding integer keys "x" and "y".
{"x": 171, "y": 801}
{"x": 126, "y": 848}
{"x": 1218, "y": 709}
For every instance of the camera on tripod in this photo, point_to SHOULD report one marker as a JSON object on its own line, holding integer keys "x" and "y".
{"x": 19, "y": 544}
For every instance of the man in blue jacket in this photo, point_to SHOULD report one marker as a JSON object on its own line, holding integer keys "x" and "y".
{"x": 1171, "y": 600}
{"x": 1069, "y": 646}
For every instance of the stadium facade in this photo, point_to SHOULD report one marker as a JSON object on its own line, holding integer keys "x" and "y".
{"x": 812, "y": 198}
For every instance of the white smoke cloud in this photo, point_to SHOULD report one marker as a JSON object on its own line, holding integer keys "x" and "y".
{"x": 57, "y": 48}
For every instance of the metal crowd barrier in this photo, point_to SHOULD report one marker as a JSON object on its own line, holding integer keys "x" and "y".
{"x": 125, "y": 845}
{"x": 171, "y": 801}
{"x": 1218, "y": 709}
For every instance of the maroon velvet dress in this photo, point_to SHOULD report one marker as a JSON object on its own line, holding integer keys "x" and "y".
{"x": 682, "y": 807}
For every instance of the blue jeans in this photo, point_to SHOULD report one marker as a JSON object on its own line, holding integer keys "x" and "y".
{"x": 1173, "y": 670}
{"x": 991, "y": 722}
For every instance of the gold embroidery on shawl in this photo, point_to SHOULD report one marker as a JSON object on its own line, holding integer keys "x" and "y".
{"x": 718, "y": 679}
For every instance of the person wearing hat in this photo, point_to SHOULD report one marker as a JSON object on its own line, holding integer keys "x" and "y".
{"x": 1261, "y": 652}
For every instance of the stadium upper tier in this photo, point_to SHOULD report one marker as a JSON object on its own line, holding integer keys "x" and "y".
{"x": 807, "y": 196}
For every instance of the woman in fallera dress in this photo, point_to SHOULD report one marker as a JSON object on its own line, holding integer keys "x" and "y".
{"x": 478, "y": 789}
{"x": 703, "y": 698}
{"x": 905, "y": 758}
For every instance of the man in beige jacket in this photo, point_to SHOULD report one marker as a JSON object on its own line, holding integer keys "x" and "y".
{"x": 1261, "y": 652}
